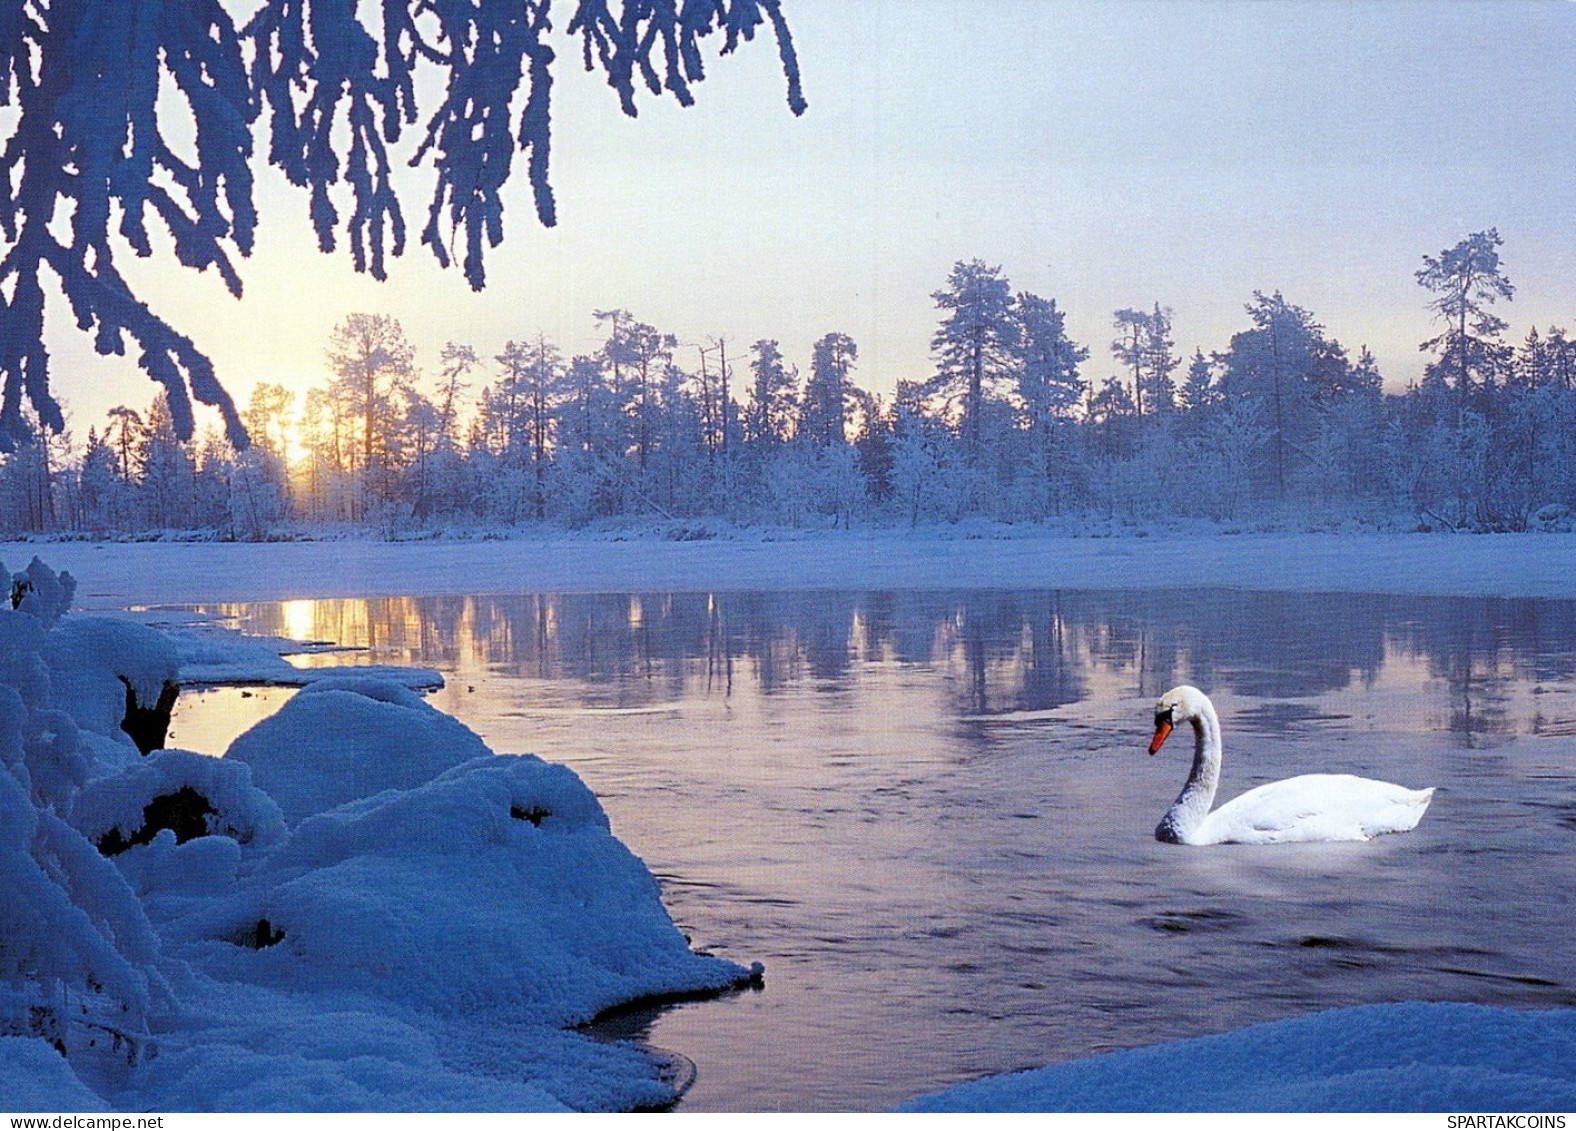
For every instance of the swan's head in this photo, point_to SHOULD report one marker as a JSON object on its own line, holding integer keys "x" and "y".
{"x": 1179, "y": 705}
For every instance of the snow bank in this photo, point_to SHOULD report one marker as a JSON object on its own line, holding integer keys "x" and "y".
{"x": 35, "y": 1077}
{"x": 315, "y": 1057}
{"x": 76, "y": 945}
{"x": 420, "y": 939}
{"x": 1410, "y": 1057}
{"x": 349, "y": 737}
{"x": 499, "y": 885}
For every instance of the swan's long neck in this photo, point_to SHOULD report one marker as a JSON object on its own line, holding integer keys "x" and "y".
{"x": 1198, "y": 795}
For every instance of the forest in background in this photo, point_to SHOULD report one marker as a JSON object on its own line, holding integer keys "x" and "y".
{"x": 1284, "y": 425}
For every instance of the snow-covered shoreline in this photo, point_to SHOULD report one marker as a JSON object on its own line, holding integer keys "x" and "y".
{"x": 118, "y": 575}
{"x": 361, "y": 907}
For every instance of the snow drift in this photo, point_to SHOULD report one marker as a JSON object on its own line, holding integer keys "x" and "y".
{"x": 1416, "y": 1056}
{"x": 362, "y": 908}
{"x": 342, "y": 739}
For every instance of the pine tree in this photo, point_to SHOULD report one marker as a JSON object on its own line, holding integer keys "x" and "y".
{"x": 370, "y": 356}
{"x": 166, "y": 470}
{"x": 1144, "y": 345}
{"x": 1562, "y": 358}
{"x": 100, "y": 489}
{"x": 455, "y": 363}
{"x": 1112, "y": 414}
{"x": 1274, "y": 363}
{"x": 1365, "y": 378}
{"x": 828, "y": 394}
{"x": 773, "y": 404}
{"x": 636, "y": 354}
{"x": 1200, "y": 391}
{"x": 1048, "y": 384}
{"x": 974, "y": 346}
{"x": 126, "y": 423}
{"x": 527, "y": 397}
{"x": 1466, "y": 280}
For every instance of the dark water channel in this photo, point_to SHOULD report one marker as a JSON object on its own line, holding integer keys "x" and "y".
{"x": 930, "y": 814}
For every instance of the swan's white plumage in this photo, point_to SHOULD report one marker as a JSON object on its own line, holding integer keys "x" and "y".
{"x": 1312, "y": 807}
{"x": 1315, "y": 807}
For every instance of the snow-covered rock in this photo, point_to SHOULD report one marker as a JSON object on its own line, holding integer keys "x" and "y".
{"x": 498, "y": 885}
{"x": 70, "y": 925}
{"x": 116, "y": 806}
{"x": 108, "y": 674}
{"x": 348, "y": 738}
{"x": 40, "y": 592}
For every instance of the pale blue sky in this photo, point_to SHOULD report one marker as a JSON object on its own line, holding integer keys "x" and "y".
{"x": 1104, "y": 154}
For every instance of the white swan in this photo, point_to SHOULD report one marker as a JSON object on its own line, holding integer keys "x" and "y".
{"x": 1307, "y": 808}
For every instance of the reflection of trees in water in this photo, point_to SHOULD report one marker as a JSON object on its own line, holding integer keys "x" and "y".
{"x": 1264, "y": 645}
{"x": 998, "y": 651}
{"x": 1036, "y": 651}
{"x": 1007, "y": 651}
{"x": 1482, "y": 647}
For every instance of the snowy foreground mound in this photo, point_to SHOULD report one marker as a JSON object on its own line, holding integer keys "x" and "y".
{"x": 362, "y": 907}
{"x": 1411, "y": 1057}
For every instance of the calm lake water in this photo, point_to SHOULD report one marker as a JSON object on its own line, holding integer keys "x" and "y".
{"x": 930, "y": 814}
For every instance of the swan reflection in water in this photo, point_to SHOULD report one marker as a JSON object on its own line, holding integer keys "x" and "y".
{"x": 1311, "y": 807}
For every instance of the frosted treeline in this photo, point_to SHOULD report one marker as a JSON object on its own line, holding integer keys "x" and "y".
{"x": 1282, "y": 424}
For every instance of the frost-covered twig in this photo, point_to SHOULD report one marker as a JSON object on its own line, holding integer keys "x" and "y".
{"x": 91, "y": 141}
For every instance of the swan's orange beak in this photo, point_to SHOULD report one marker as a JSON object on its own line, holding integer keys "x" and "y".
{"x": 1162, "y": 732}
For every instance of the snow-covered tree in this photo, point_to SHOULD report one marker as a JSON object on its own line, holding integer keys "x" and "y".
{"x": 1048, "y": 385}
{"x": 1111, "y": 415}
{"x": 1466, "y": 280}
{"x": 1200, "y": 391}
{"x": 828, "y": 394}
{"x": 167, "y": 471}
{"x": 125, "y": 425}
{"x": 101, "y": 98}
{"x": 269, "y": 414}
{"x": 255, "y": 497}
{"x": 455, "y": 363}
{"x": 928, "y": 480}
{"x": 773, "y": 406}
{"x": 524, "y": 404}
{"x": 635, "y": 355}
{"x": 874, "y": 445}
{"x": 327, "y": 431}
{"x": 370, "y": 357}
{"x": 100, "y": 489}
{"x": 1230, "y": 456}
{"x": 719, "y": 413}
{"x": 27, "y": 481}
{"x": 270, "y": 417}
{"x": 1143, "y": 344}
{"x": 974, "y": 346}
{"x": 1274, "y": 363}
